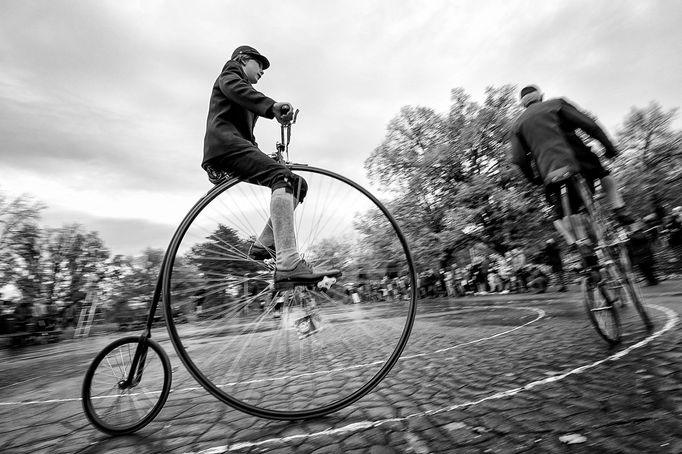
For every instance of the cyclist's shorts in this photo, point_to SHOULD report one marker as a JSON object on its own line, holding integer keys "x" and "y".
{"x": 246, "y": 162}
{"x": 553, "y": 196}
{"x": 590, "y": 165}
{"x": 591, "y": 169}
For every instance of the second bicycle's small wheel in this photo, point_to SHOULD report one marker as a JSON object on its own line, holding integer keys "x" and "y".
{"x": 300, "y": 352}
{"x": 600, "y": 302}
{"x": 117, "y": 406}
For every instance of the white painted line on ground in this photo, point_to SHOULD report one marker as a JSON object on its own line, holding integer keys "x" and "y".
{"x": 672, "y": 320}
{"x": 540, "y": 314}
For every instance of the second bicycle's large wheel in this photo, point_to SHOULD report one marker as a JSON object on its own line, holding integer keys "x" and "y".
{"x": 299, "y": 353}
{"x": 600, "y": 302}
{"x": 119, "y": 409}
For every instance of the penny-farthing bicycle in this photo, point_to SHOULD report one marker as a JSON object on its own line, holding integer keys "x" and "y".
{"x": 290, "y": 353}
{"x": 614, "y": 284}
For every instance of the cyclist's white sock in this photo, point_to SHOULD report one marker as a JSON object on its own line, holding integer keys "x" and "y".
{"x": 608, "y": 183}
{"x": 267, "y": 236}
{"x": 282, "y": 215}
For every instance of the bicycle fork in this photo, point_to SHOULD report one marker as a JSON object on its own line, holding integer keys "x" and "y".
{"x": 140, "y": 357}
{"x": 137, "y": 366}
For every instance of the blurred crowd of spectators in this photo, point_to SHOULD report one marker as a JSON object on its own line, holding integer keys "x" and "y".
{"x": 491, "y": 273}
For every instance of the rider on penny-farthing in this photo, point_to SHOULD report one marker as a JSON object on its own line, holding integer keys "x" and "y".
{"x": 230, "y": 149}
{"x": 547, "y": 149}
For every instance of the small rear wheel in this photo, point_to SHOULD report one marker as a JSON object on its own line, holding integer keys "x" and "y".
{"x": 111, "y": 402}
{"x": 601, "y": 299}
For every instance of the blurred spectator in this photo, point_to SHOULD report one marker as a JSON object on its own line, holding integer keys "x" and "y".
{"x": 494, "y": 281}
{"x": 553, "y": 259}
{"x": 428, "y": 284}
{"x": 449, "y": 282}
{"x": 518, "y": 266}
{"x": 478, "y": 278}
{"x": 440, "y": 283}
{"x": 652, "y": 226}
{"x": 675, "y": 232}
{"x": 485, "y": 269}
{"x": 659, "y": 209}
{"x": 641, "y": 253}
{"x": 538, "y": 280}
{"x": 504, "y": 271}
{"x": 461, "y": 281}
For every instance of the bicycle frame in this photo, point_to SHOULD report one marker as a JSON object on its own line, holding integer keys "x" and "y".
{"x": 137, "y": 366}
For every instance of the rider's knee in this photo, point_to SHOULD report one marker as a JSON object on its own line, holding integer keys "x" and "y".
{"x": 292, "y": 184}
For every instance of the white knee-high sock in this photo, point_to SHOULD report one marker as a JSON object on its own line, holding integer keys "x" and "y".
{"x": 282, "y": 215}
{"x": 267, "y": 236}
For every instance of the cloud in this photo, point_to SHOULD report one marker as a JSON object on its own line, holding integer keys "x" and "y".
{"x": 103, "y": 104}
{"x": 121, "y": 236}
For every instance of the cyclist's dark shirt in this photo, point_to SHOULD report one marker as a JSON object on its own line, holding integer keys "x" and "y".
{"x": 546, "y": 133}
{"x": 233, "y": 110}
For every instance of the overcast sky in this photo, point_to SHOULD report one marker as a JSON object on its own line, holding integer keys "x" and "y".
{"x": 103, "y": 103}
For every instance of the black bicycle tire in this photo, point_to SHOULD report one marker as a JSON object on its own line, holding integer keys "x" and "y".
{"x": 279, "y": 414}
{"x": 588, "y": 300}
{"x": 596, "y": 229}
{"x": 632, "y": 290}
{"x": 88, "y": 408}
{"x": 622, "y": 269}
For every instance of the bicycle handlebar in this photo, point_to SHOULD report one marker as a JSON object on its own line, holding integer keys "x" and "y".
{"x": 283, "y": 146}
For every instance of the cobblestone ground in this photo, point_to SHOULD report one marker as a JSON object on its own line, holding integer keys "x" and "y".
{"x": 490, "y": 374}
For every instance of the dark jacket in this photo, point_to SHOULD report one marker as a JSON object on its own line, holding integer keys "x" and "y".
{"x": 553, "y": 257}
{"x": 233, "y": 110}
{"x": 546, "y": 133}
{"x": 639, "y": 248}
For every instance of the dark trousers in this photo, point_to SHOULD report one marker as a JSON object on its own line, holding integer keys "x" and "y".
{"x": 245, "y": 161}
{"x": 648, "y": 270}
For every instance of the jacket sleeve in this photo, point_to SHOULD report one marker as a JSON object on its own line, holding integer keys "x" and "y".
{"x": 520, "y": 156}
{"x": 577, "y": 119}
{"x": 241, "y": 92}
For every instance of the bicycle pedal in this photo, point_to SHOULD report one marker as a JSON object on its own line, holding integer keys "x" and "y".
{"x": 326, "y": 283}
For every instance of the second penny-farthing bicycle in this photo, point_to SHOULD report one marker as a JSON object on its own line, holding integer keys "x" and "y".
{"x": 291, "y": 353}
{"x": 609, "y": 282}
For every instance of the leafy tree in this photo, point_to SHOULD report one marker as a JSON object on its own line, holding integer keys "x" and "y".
{"x": 647, "y": 132}
{"x": 27, "y": 249}
{"x": 137, "y": 276}
{"x": 223, "y": 253}
{"x": 650, "y": 164}
{"x": 16, "y": 215}
{"x": 72, "y": 261}
{"x": 450, "y": 174}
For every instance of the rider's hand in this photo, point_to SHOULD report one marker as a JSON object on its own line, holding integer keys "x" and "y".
{"x": 286, "y": 116}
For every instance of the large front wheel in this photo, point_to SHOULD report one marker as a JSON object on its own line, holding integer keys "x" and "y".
{"x": 300, "y": 352}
